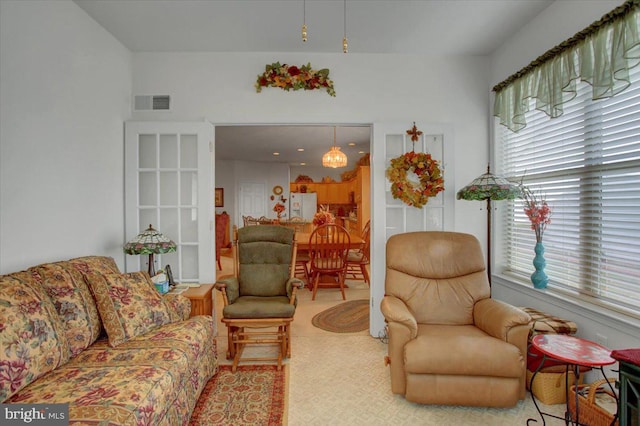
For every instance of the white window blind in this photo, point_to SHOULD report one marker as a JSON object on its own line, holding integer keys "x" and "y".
{"x": 586, "y": 164}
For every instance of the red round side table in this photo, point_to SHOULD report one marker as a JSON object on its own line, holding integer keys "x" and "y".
{"x": 575, "y": 353}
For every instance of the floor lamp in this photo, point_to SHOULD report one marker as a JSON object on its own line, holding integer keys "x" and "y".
{"x": 489, "y": 187}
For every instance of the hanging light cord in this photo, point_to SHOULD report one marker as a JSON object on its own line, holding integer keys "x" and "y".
{"x": 304, "y": 20}
{"x": 345, "y": 46}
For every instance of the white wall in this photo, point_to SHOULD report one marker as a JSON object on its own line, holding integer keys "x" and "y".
{"x": 370, "y": 88}
{"x": 64, "y": 95}
{"x": 555, "y": 24}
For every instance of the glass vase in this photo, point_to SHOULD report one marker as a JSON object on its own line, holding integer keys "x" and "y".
{"x": 539, "y": 278}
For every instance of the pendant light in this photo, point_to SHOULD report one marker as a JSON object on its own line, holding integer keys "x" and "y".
{"x": 334, "y": 158}
{"x": 304, "y": 20}
{"x": 345, "y": 46}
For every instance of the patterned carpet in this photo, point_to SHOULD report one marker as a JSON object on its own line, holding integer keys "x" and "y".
{"x": 254, "y": 395}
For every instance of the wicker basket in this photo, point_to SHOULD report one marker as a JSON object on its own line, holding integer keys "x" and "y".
{"x": 590, "y": 412}
{"x": 549, "y": 387}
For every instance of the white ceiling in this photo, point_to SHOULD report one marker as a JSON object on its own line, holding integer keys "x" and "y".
{"x": 454, "y": 27}
{"x": 457, "y": 27}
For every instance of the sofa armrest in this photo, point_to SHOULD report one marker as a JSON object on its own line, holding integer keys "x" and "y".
{"x": 503, "y": 321}
{"x": 394, "y": 310}
{"x": 180, "y": 305}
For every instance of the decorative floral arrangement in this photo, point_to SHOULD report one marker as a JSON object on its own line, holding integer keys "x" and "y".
{"x": 426, "y": 169}
{"x": 303, "y": 178}
{"x": 323, "y": 217}
{"x": 537, "y": 210}
{"x": 279, "y": 209}
{"x": 291, "y": 77}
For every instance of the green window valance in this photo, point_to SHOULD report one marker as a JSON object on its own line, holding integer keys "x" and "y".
{"x": 601, "y": 55}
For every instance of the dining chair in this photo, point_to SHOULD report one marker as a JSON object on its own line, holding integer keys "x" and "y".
{"x": 328, "y": 249}
{"x": 222, "y": 223}
{"x": 249, "y": 221}
{"x": 302, "y": 257}
{"x": 358, "y": 259}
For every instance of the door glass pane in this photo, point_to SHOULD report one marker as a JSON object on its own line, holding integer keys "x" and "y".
{"x": 434, "y": 146}
{"x": 188, "y": 188}
{"x": 189, "y": 222}
{"x": 188, "y": 151}
{"x": 394, "y": 146}
{"x": 168, "y": 151}
{"x": 147, "y": 151}
{"x": 395, "y": 221}
{"x": 147, "y": 189}
{"x": 414, "y": 220}
{"x": 168, "y": 188}
{"x": 147, "y": 217}
{"x": 168, "y": 225}
{"x": 172, "y": 259}
{"x": 189, "y": 256}
{"x": 435, "y": 219}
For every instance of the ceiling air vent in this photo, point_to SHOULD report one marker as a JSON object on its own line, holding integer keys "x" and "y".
{"x": 151, "y": 102}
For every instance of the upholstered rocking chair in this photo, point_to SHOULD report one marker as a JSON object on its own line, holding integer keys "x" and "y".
{"x": 260, "y": 298}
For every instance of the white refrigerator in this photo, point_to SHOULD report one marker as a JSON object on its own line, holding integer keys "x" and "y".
{"x": 303, "y": 205}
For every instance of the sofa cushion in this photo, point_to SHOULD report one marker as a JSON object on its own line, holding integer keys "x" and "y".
{"x": 32, "y": 338}
{"x": 129, "y": 305}
{"x": 72, "y": 298}
{"x": 97, "y": 264}
{"x": 153, "y": 379}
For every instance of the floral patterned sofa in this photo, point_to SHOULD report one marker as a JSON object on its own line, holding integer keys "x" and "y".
{"x": 106, "y": 343}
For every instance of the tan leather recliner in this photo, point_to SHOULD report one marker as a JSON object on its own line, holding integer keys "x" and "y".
{"x": 449, "y": 342}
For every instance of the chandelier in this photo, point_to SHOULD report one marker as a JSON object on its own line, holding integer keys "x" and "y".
{"x": 334, "y": 158}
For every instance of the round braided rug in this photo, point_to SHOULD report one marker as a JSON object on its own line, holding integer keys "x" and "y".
{"x": 347, "y": 317}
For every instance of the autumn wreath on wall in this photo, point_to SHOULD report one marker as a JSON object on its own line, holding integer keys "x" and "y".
{"x": 291, "y": 77}
{"x": 415, "y": 176}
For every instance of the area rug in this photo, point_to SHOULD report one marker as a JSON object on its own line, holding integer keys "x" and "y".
{"x": 253, "y": 395}
{"x": 347, "y": 317}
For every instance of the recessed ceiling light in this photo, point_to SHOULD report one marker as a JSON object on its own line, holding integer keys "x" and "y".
{"x": 276, "y": 153}
{"x": 300, "y": 149}
{"x": 303, "y": 164}
{"x": 351, "y": 144}
{"x": 361, "y": 152}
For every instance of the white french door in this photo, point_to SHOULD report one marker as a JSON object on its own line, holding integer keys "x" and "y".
{"x": 168, "y": 184}
{"x": 390, "y": 216}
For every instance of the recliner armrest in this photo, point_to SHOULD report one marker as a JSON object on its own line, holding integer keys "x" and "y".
{"x": 498, "y": 318}
{"x": 394, "y": 310}
{"x": 294, "y": 282}
{"x": 230, "y": 287}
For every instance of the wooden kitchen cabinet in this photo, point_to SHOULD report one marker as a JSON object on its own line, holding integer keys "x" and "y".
{"x": 363, "y": 196}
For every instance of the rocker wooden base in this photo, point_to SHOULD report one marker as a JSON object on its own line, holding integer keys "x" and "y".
{"x": 238, "y": 337}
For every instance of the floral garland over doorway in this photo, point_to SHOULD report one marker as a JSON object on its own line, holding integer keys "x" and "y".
{"x": 426, "y": 169}
{"x": 291, "y": 77}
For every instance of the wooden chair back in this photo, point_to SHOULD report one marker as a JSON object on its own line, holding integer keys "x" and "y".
{"x": 328, "y": 249}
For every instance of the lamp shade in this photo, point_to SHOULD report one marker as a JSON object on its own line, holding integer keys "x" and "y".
{"x": 150, "y": 242}
{"x": 489, "y": 187}
{"x": 334, "y": 158}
